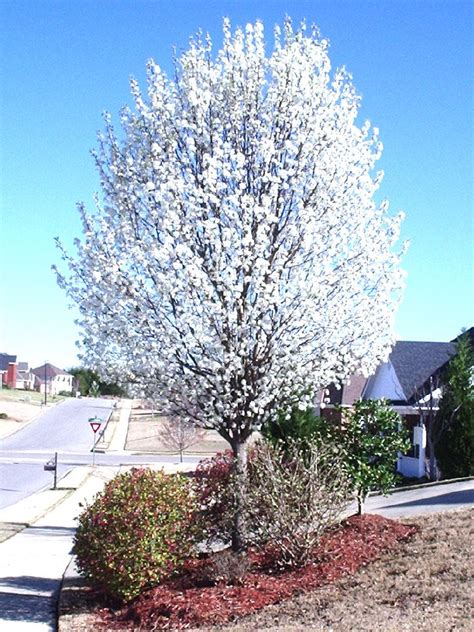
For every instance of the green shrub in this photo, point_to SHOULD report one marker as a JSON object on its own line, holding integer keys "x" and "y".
{"x": 135, "y": 533}
{"x": 297, "y": 425}
{"x": 370, "y": 437}
{"x": 3, "y": 416}
{"x": 454, "y": 424}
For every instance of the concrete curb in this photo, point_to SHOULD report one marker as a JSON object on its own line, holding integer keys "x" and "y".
{"x": 120, "y": 431}
{"x": 71, "y": 580}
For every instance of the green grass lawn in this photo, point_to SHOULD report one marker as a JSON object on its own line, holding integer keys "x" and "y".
{"x": 30, "y": 397}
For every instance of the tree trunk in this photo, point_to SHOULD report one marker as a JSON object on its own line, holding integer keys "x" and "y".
{"x": 361, "y": 503}
{"x": 239, "y": 449}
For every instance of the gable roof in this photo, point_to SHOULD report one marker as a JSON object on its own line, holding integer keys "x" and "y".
{"x": 353, "y": 390}
{"x": 5, "y": 360}
{"x": 469, "y": 333}
{"x": 48, "y": 370}
{"x": 409, "y": 367}
{"x": 414, "y": 363}
{"x": 24, "y": 375}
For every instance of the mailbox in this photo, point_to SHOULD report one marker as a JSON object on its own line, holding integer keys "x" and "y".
{"x": 52, "y": 466}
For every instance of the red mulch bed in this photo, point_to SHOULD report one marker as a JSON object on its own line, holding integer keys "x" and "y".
{"x": 184, "y": 602}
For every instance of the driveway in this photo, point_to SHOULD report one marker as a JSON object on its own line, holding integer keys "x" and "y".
{"x": 425, "y": 500}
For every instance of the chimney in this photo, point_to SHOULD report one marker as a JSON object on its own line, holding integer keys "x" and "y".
{"x": 11, "y": 375}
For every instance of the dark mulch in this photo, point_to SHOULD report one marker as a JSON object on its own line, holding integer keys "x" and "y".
{"x": 192, "y": 601}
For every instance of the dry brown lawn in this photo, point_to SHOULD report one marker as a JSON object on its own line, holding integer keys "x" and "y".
{"x": 18, "y": 414}
{"x": 144, "y": 436}
{"x": 426, "y": 584}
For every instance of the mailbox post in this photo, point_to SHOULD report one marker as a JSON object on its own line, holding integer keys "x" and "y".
{"x": 52, "y": 466}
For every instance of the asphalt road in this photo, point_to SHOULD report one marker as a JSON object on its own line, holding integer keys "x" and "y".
{"x": 64, "y": 428}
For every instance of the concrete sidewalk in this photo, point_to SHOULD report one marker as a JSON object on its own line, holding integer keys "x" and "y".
{"x": 33, "y": 561}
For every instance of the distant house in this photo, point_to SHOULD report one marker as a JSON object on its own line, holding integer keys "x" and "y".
{"x": 8, "y": 370}
{"x": 25, "y": 379}
{"x": 50, "y": 379}
{"x": 409, "y": 380}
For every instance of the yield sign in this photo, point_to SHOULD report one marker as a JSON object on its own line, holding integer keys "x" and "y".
{"x": 95, "y": 425}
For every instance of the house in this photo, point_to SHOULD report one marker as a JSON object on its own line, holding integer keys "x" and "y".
{"x": 25, "y": 379}
{"x": 8, "y": 370}
{"x": 52, "y": 380}
{"x": 409, "y": 380}
{"x": 15, "y": 374}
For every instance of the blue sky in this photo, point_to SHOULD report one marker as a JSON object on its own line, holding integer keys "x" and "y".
{"x": 64, "y": 62}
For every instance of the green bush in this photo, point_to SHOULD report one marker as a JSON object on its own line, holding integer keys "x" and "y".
{"x": 370, "y": 436}
{"x": 135, "y": 533}
{"x": 454, "y": 424}
{"x": 297, "y": 425}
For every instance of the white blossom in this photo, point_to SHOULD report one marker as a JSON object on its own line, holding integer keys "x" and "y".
{"x": 237, "y": 258}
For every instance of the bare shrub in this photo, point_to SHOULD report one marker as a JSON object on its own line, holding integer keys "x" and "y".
{"x": 179, "y": 435}
{"x": 293, "y": 495}
{"x": 229, "y": 567}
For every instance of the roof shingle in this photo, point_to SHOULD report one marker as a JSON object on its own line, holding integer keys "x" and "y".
{"x": 415, "y": 362}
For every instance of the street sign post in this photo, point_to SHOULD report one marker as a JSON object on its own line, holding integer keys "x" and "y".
{"x": 95, "y": 423}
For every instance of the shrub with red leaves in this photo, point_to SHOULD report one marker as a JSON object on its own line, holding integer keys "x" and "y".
{"x": 215, "y": 493}
{"x": 136, "y": 532}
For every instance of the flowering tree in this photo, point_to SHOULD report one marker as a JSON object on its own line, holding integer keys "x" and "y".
{"x": 236, "y": 258}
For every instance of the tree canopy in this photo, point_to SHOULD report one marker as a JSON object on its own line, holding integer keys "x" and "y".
{"x": 236, "y": 257}
{"x": 86, "y": 378}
